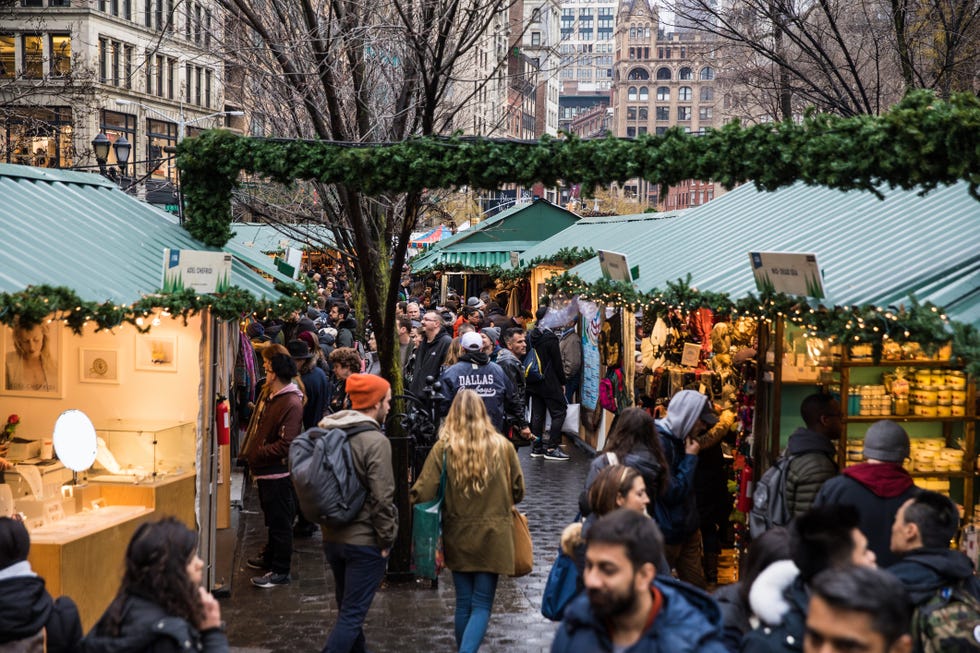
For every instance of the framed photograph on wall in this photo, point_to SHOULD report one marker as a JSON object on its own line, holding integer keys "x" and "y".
{"x": 32, "y": 365}
{"x": 98, "y": 366}
{"x": 156, "y": 353}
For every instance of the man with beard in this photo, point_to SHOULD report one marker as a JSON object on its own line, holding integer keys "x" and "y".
{"x": 475, "y": 371}
{"x": 627, "y": 605}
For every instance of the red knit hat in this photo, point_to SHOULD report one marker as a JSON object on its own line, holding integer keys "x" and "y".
{"x": 365, "y": 390}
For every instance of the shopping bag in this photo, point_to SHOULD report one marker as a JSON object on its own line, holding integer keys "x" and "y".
{"x": 571, "y": 419}
{"x": 561, "y": 587}
{"x": 523, "y": 547}
{"x": 428, "y": 558}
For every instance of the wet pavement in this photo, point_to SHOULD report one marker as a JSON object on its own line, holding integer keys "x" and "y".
{"x": 403, "y": 617}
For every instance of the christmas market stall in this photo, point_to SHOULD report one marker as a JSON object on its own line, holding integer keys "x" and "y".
{"x": 471, "y": 260}
{"x": 887, "y": 318}
{"x": 111, "y": 391}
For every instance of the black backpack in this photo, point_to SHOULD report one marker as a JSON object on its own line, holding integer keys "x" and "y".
{"x": 322, "y": 470}
{"x": 769, "y": 499}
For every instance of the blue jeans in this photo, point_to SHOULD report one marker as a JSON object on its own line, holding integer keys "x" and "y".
{"x": 357, "y": 574}
{"x": 474, "y": 599}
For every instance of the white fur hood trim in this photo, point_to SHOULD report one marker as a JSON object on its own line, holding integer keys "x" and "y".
{"x": 766, "y": 596}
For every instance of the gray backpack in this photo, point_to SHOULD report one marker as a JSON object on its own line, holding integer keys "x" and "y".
{"x": 769, "y": 498}
{"x": 322, "y": 470}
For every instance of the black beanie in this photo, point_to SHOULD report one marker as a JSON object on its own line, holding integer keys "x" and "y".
{"x": 14, "y": 542}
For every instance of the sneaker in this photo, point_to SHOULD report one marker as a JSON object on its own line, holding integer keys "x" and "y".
{"x": 555, "y": 454}
{"x": 537, "y": 452}
{"x": 257, "y": 563}
{"x": 271, "y": 579}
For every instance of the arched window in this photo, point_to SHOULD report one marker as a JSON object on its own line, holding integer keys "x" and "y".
{"x": 684, "y": 94}
{"x": 644, "y": 94}
{"x": 663, "y": 94}
{"x": 632, "y": 33}
{"x": 663, "y": 73}
{"x": 707, "y": 73}
{"x": 631, "y": 94}
{"x": 686, "y": 73}
{"x": 639, "y": 74}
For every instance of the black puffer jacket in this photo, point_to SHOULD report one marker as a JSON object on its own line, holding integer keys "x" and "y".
{"x": 146, "y": 627}
{"x": 812, "y": 465}
{"x": 26, "y": 607}
{"x": 545, "y": 343}
{"x": 925, "y": 571}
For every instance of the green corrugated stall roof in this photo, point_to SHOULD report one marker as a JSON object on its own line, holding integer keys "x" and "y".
{"x": 263, "y": 237}
{"x": 79, "y": 230}
{"x": 870, "y": 250}
{"x": 492, "y": 241}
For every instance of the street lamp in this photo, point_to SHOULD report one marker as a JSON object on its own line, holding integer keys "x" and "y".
{"x": 101, "y": 145}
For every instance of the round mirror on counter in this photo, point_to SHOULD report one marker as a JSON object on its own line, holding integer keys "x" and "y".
{"x": 75, "y": 440}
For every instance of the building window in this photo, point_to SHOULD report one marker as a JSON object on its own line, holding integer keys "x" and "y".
{"x": 103, "y": 60}
{"x": 160, "y": 134}
{"x": 663, "y": 94}
{"x": 148, "y": 65}
{"x": 207, "y": 88}
{"x": 171, "y": 77}
{"x": 685, "y": 94}
{"x": 663, "y": 113}
{"x": 33, "y": 61}
{"x": 631, "y": 132}
{"x": 535, "y": 38}
{"x": 705, "y": 113}
{"x": 644, "y": 94}
{"x": 684, "y": 113}
{"x": 661, "y": 131}
{"x": 707, "y": 94}
{"x": 638, "y": 74}
{"x": 60, "y": 55}
{"x": 38, "y": 136}
{"x": 686, "y": 73}
{"x": 116, "y": 63}
{"x": 644, "y": 113}
{"x": 128, "y": 66}
{"x": 188, "y": 82}
{"x": 198, "y": 86}
{"x": 114, "y": 125}
{"x": 631, "y": 94}
{"x": 707, "y": 73}
{"x": 8, "y": 56}
{"x": 161, "y": 70}
{"x": 189, "y": 20}
{"x": 631, "y": 113}
{"x": 663, "y": 73}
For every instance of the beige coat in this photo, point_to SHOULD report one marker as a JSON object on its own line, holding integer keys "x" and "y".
{"x": 477, "y": 530}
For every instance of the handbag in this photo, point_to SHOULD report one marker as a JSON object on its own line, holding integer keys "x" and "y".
{"x": 523, "y": 547}
{"x": 428, "y": 557}
{"x": 561, "y": 587}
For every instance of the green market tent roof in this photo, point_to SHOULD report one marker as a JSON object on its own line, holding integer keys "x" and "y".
{"x": 262, "y": 237}
{"x": 870, "y": 250}
{"x": 491, "y": 242}
{"x": 77, "y": 229}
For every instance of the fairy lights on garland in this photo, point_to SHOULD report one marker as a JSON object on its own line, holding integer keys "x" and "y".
{"x": 922, "y": 323}
{"x": 920, "y": 143}
{"x": 37, "y": 304}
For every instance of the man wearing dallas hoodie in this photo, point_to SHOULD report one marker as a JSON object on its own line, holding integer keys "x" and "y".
{"x": 877, "y": 488}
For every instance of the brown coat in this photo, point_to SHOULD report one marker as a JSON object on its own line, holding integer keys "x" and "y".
{"x": 477, "y": 530}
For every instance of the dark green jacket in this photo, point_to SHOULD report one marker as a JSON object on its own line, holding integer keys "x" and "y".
{"x": 813, "y": 463}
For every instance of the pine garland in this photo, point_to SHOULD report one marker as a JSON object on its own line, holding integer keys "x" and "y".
{"x": 36, "y": 304}
{"x": 921, "y": 143}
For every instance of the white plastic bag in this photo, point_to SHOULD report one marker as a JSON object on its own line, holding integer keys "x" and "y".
{"x": 571, "y": 420}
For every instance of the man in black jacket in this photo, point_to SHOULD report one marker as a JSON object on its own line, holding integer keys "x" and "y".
{"x": 548, "y": 393}
{"x": 814, "y": 449}
{"x": 431, "y": 353}
{"x": 510, "y": 358}
{"x": 923, "y": 527}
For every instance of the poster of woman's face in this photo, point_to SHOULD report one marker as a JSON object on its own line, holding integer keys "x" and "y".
{"x": 31, "y": 360}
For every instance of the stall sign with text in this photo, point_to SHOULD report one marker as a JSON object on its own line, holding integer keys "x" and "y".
{"x": 204, "y": 272}
{"x": 786, "y": 272}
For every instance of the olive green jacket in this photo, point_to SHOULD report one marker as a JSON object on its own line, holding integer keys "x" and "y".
{"x": 476, "y": 530}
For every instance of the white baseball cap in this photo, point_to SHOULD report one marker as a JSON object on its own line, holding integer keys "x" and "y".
{"x": 471, "y": 341}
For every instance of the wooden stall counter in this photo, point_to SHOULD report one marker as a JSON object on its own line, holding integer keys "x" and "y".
{"x": 81, "y": 556}
{"x": 169, "y": 496}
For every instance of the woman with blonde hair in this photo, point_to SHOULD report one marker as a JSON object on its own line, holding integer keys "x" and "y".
{"x": 483, "y": 481}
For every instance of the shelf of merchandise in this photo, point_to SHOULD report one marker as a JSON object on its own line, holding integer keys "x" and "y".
{"x": 968, "y": 474}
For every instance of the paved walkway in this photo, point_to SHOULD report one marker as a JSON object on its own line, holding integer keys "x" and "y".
{"x": 403, "y": 618}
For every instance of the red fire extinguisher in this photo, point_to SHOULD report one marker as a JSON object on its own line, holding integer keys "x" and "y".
{"x": 744, "y": 502}
{"x": 222, "y": 418}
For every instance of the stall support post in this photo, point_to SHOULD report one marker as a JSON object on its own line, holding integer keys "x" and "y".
{"x": 777, "y": 390}
{"x": 400, "y": 562}
{"x": 760, "y": 423}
